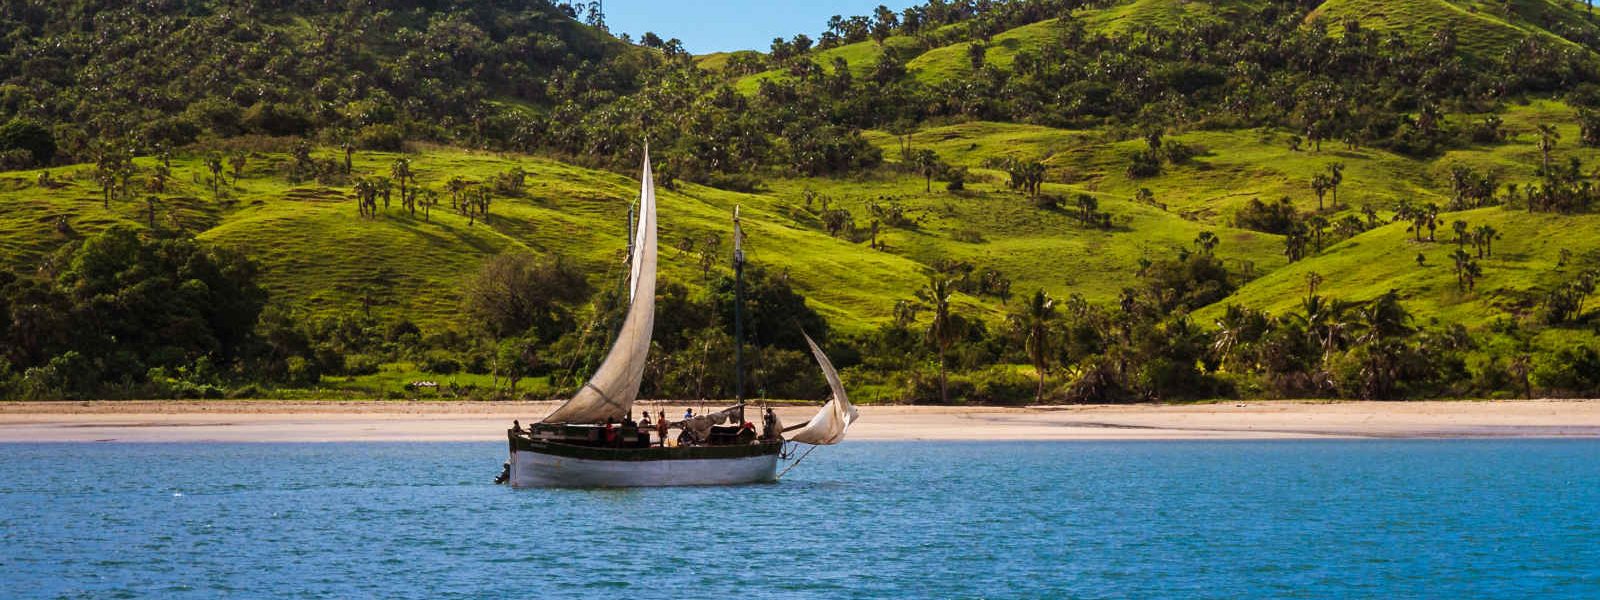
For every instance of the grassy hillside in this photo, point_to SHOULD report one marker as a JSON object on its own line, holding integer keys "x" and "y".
{"x": 861, "y": 56}
{"x": 1368, "y": 265}
{"x": 1483, "y": 29}
{"x": 1130, "y": 16}
{"x": 317, "y": 254}
{"x": 951, "y": 61}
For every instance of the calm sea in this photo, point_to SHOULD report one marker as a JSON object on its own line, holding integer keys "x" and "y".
{"x": 1438, "y": 519}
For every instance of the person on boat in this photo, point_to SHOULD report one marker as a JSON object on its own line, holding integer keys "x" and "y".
{"x": 661, "y": 427}
{"x": 628, "y": 422}
{"x": 610, "y": 431}
{"x": 688, "y": 413}
{"x": 516, "y": 426}
{"x": 769, "y": 425}
{"x": 747, "y": 432}
{"x": 644, "y": 421}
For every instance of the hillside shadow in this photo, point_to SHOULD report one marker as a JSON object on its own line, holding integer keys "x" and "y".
{"x": 437, "y": 238}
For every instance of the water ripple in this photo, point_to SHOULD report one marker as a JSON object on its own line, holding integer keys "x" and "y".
{"x": 863, "y": 520}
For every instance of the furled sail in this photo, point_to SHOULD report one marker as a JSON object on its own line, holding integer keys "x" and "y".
{"x": 829, "y": 425}
{"x": 610, "y": 393}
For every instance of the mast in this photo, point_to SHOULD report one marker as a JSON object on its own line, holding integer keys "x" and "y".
{"x": 738, "y": 311}
{"x": 627, "y": 278}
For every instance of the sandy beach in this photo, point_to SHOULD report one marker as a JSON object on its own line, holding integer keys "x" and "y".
{"x": 345, "y": 421}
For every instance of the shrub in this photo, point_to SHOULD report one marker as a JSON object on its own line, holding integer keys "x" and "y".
{"x": 1277, "y": 217}
{"x": 1144, "y": 163}
{"x": 970, "y": 236}
{"x": 1001, "y": 384}
{"x": 275, "y": 119}
{"x": 955, "y": 179}
{"x": 361, "y": 364}
{"x": 26, "y": 135}
{"x": 302, "y": 372}
{"x": 221, "y": 117}
{"x": 385, "y": 138}
{"x": 1573, "y": 370}
{"x": 247, "y": 392}
{"x": 440, "y": 364}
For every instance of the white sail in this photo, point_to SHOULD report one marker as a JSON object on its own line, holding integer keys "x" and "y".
{"x": 829, "y": 424}
{"x": 610, "y": 393}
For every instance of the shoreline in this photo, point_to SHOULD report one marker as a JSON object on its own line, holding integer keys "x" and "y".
{"x": 446, "y": 421}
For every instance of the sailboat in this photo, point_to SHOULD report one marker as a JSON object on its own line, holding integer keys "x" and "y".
{"x": 580, "y": 443}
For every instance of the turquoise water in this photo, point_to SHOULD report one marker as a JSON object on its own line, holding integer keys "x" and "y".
{"x": 1143, "y": 519}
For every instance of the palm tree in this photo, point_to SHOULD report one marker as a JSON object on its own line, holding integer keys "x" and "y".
{"x": 214, "y": 164}
{"x": 428, "y": 199}
{"x": 105, "y": 174}
{"x": 1294, "y": 243}
{"x": 1233, "y": 327}
{"x": 1087, "y": 205}
{"x": 238, "y": 162}
{"x": 1206, "y": 241}
{"x": 1466, "y": 269}
{"x": 1460, "y": 228}
{"x": 1326, "y": 322}
{"x": 928, "y": 164}
{"x": 1483, "y": 237}
{"x": 1026, "y": 175}
{"x": 1521, "y": 367}
{"x": 159, "y": 176}
{"x": 943, "y": 329}
{"x": 1384, "y": 317}
{"x": 1035, "y": 171}
{"x": 364, "y": 193}
{"x": 1319, "y": 225}
{"x": 1033, "y": 322}
{"x": 1548, "y": 136}
{"x": 150, "y": 210}
{"x": 401, "y": 171}
{"x": 456, "y": 186}
{"x": 1335, "y": 177}
{"x": 1320, "y": 185}
{"x": 1460, "y": 181}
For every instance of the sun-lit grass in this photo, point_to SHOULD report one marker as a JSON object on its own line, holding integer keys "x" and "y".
{"x": 317, "y": 255}
{"x": 1131, "y": 16}
{"x": 862, "y": 57}
{"x": 1373, "y": 263}
{"x": 952, "y": 61}
{"x": 1482, "y": 29}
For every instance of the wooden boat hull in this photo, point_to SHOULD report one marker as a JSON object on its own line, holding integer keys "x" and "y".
{"x": 559, "y": 465}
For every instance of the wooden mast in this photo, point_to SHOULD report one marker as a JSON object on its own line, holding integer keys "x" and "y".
{"x": 738, "y": 312}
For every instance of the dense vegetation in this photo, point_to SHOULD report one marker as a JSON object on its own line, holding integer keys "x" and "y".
{"x": 1034, "y": 200}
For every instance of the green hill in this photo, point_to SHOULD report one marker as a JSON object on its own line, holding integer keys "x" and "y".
{"x": 1155, "y": 156}
{"x": 1484, "y": 30}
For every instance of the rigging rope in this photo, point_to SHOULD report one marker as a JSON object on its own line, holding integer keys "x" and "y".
{"x": 796, "y": 462}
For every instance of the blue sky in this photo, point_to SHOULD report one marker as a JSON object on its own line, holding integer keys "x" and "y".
{"x": 717, "y": 25}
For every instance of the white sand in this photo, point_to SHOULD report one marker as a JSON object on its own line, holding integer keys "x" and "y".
{"x": 276, "y": 421}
